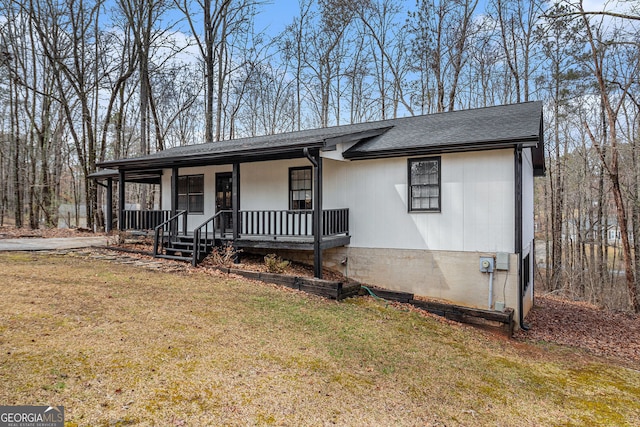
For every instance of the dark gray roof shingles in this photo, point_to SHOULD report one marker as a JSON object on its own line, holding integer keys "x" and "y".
{"x": 500, "y": 124}
{"x": 516, "y": 122}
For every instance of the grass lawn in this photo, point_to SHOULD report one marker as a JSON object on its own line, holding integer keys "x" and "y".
{"x": 120, "y": 345}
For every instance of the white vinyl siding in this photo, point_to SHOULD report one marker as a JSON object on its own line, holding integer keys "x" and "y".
{"x": 477, "y": 203}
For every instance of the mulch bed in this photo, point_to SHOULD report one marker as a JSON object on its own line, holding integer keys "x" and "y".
{"x": 9, "y": 232}
{"x": 582, "y": 325}
{"x": 251, "y": 262}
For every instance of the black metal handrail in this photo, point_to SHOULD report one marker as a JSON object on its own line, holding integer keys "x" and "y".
{"x": 171, "y": 227}
{"x": 201, "y": 246}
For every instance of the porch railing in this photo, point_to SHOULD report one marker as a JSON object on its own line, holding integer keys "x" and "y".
{"x": 144, "y": 220}
{"x": 167, "y": 230}
{"x": 335, "y": 222}
{"x": 284, "y": 222}
{"x": 204, "y": 237}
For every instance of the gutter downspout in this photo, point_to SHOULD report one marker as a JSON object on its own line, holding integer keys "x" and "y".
{"x": 121, "y": 201}
{"x": 235, "y": 203}
{"x": 308, "y": 155}
{"x": 490, "y": 301}
{"x": 317, "y": 211}
{"x": 108, "y": 223}
{"x": 518, "y": 230}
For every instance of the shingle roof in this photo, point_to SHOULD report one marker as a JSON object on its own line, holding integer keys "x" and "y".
{"x": 481, "y": 128}
{"x": 477, "y": 129}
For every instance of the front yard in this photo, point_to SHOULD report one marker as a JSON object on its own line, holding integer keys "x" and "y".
{"x": 122, "y": 345}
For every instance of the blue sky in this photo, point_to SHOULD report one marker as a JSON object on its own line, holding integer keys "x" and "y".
{"x": 274, "y": 16}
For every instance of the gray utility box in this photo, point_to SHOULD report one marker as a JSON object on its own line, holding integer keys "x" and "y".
{"x": 502, "y": 261}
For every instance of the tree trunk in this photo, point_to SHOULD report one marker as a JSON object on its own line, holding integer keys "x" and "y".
{"x": 557, "y": 197}
{"x": 17, "y": 160}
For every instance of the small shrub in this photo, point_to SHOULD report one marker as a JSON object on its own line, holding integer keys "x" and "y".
{"x": 120, "y": 237}
{"x": 224, "y": 255}
{"x": 275, "y": 264}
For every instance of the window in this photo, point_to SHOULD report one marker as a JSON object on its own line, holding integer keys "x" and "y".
{"x": 424, "y": 184}
{"x": 191, "y": 194}
{"x": 300, "y": 189}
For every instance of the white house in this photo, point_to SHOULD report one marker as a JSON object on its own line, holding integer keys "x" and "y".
{"x": 438, "y": 205}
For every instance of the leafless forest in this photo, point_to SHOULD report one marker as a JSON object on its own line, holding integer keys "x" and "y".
{"x": 88, "y": 80}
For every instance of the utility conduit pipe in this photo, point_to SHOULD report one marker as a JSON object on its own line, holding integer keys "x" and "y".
{"x": 490, "y": 289}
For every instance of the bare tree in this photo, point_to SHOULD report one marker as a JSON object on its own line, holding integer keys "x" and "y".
{"x": 559, "y": 49}
{"x": 222, "y": 20}
{"x": 141, "y": 17}
{"x": 612, "y": 103}
{"x": 389, "y": 50}
{"x": 291, "y": 44}
{"x": 517, "y": 22}
{"x": 322, "y": 55}
{"x": 441, "y": 31}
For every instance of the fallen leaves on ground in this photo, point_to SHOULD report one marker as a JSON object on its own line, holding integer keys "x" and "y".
{"x": 10, "y": 232}
{"x": 252, "y": 262}
{"x": 582, "y": 325}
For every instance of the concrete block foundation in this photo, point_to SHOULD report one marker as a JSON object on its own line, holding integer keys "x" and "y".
{"x": 450, "y": 276}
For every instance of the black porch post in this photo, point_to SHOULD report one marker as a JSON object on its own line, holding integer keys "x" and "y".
{"x": 317, "y": 217}
{"x": 235, "y": 200}
{"x": 109, "y": 219}
{"x": 121, "y": 201}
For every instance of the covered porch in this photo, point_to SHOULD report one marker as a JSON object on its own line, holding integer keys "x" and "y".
{"x": 177, "y": 236}
{"x": 263, "y": 229}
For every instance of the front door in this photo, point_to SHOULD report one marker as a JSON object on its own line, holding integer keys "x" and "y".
{"x": 223, "y": 200}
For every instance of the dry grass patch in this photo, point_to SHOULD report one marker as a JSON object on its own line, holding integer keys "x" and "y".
{"x": 122, "y": 345}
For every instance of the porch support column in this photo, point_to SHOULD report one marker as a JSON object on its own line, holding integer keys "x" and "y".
{"x": 317, "y": 216}
{"x": 109, "y": 214}
{"x": 121, "y": 201}
{"x": 235, "y": 200}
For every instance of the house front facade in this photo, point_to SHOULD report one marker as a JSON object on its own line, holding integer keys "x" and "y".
{"x": 438, "y": 205}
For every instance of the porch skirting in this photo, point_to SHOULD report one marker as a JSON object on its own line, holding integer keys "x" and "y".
{"x": 452, "y": 276}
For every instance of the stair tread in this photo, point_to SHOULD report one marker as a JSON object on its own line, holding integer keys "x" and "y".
{"x": 175, "y": 257}
{"x": 189, "y": 247}
{"x": 183, "y": 244}
{"x": 189, "y": 243}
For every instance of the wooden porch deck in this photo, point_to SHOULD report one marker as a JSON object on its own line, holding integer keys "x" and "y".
{"x": 304, "y": 243}
{"x": 305, "y": 230}
{"x": 261, "y": 241}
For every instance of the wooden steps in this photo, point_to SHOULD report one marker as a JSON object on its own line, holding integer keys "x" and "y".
{"x": 181, "y": 248}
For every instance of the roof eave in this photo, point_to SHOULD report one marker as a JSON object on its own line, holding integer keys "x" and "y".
{"x": 438, "y": 149}
{"x": 203, "y": 159}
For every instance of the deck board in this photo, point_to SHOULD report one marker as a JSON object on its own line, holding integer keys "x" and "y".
{"x": 287, "y": 242}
